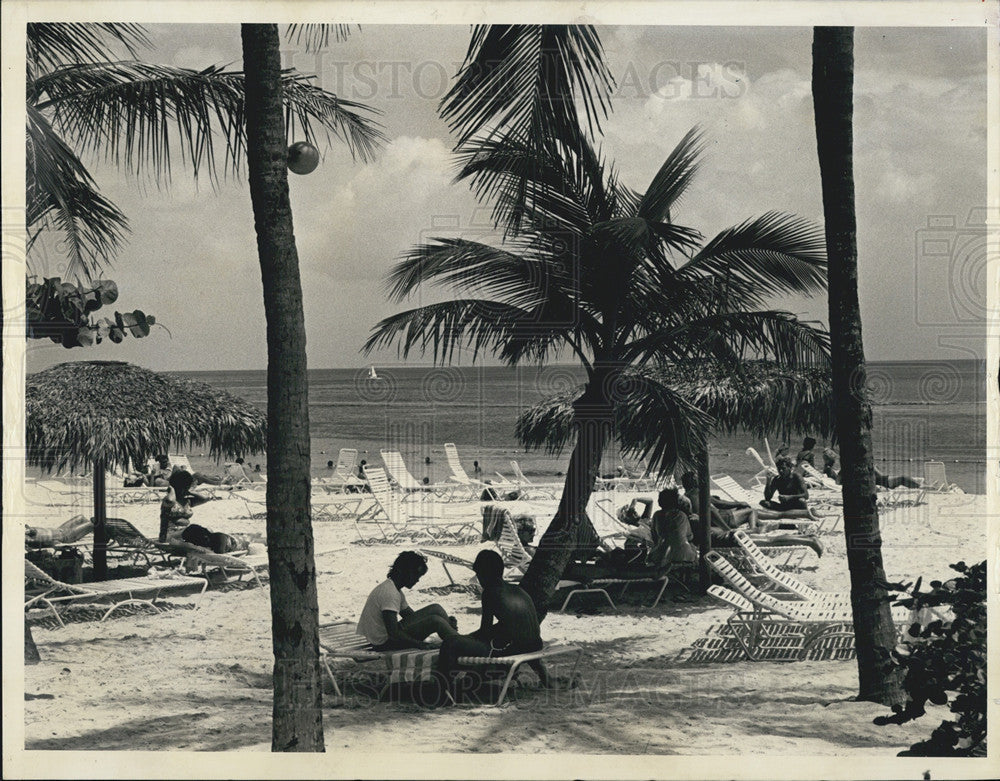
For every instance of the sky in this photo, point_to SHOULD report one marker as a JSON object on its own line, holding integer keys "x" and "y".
{"x": 920, "y": 135}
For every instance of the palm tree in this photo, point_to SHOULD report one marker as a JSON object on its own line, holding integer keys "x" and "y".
{"x": 874, "y": 632}
{"x": 127, "y": 110}
{"x": 604, "y": 273}
{"x": 82, "y": 99}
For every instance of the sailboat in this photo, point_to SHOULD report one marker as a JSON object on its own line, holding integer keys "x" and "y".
{"x": 372, "y": 375}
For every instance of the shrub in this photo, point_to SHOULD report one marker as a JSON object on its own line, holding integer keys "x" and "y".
{"x": 945, "y": 662}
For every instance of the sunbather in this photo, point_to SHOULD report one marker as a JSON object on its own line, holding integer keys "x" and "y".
{"x": 727, "y": 517}
{"x": 516, "y": 630}
{"x": 881, "y": 479}
{"x": 389, "y": 623}
{"x": 671, "y": 530}
{"x": 790, "y": 491}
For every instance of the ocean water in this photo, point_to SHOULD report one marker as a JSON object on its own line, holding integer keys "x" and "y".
{"x": 924, "y": 410}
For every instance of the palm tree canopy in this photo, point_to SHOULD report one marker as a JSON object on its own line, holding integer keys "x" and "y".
{"x": 82, "y": 99}
{"x": 119, "y": 414}
{"x": 595, "y": 269}
{"x": 760, "y": 399}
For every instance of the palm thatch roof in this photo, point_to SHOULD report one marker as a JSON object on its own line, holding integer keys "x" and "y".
{"x": 119, "y": 414}
{"x": 759, "y": 398}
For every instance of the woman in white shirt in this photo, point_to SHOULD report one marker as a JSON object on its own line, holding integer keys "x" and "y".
{"x": 389, "y": 623}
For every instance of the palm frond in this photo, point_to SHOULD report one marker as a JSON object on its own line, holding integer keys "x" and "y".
{"x": 53, "y": 44}
{"x": 652, "y": 421}
{"x": 61, "y": 194}
{"x": 127, "y": 111}
{"x": 317, "y": 36}
{"x": 672, "y": 179}
{"x": 527, "y": 189}
{"x": 775, "y": 254}
{"x": 475, "y": 324}
{"x": 732, "y": 338}
{"x": 704, "y": 397}
{"x": 523, "y": 80}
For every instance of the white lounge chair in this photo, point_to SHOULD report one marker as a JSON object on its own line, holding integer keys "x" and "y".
{"x": 936, "y": 479}
{"x": 734, "y": 492}
{"x": 396, "y": 469}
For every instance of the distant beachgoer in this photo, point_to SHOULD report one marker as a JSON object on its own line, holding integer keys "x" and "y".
{"x": 881, "y": 479}
{"x": 177, "y": 507}
{"x": 389, "y": 623}
{"x": 790, "y": 490}
{"x": 256, "y": 468}
{"x": 671, "y": 532}
{"x": 515, "y": 631}
{"x": 806, "y": 454}
{"x": 236, "y": 473}
{"x": 476, "y": 469}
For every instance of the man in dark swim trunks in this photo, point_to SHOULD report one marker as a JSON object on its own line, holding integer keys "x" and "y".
{"x": 516, "y": 630}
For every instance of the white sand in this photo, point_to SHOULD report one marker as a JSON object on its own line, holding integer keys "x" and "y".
{"x": 200, "y": 680}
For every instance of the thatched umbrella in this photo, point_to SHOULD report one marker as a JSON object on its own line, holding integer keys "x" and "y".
{"x": 669, "y": 420}
{"x": 760, "y": 398}
{"x": 112, "y": 414}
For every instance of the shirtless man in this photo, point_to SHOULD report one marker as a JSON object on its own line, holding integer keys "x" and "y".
{"x": 791, "y": 492}
{"x": 516, "y": 629}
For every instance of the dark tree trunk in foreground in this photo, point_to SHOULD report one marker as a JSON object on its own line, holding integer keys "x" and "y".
{"x": 594, "y": 416}
{"x": 874, "y": 632}
{"x": 297, "y": 715}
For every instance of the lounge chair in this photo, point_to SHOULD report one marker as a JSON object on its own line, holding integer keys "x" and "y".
{"x": 760, "y": 636}
{"x": 766, "y": 470}
{"x": 395, "y": 468}
{"x": 734, "y": 492}
{"x": 515, "y": 555}
{"x": 826, "y": 608}
{"x": 41, "y": 588}
{"x": 458, "y": 473}
{"x": 532, "y": 490}
{"x": 396, "y": 524}
{"x": 344, "y": 477}
{"x": 126, "y": 541}
{"x": 228, "y": 564}
{"x": 341, "y": 640}
{"x": 936, "y": 479}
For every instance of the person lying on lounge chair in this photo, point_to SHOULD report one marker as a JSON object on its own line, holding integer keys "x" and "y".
{"x": 515, "y": 630}
{"x": 722, "y": 524}
{"x": 389, "y": 623}
{"x": 881, "y": 479}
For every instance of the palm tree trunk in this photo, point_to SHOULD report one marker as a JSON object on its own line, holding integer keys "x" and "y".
{"x": 593, "y": 416}
{"x": 832, "y": 83}
{"x": 297, "y": 715}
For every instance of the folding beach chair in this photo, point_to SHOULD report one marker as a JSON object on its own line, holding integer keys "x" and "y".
{"x": 228, "y": 564}
{"x": 43, "y": 589}
{"x": 936, "y": 479}
{"x": 760, "y": 635}
{"x": 341, "y": 640}
{"x": 125, "y": 541}
{"x": 396, "y": 524}
{"x": 515, "y": 555}
{"x": 532, "y": 490}
{"x": 395, "y": 468}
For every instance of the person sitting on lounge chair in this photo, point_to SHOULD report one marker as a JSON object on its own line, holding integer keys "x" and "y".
{"x": 389, "y": 623}
{"x": 806, "y": 454}
{"x": 671, "y": 531}
{"x": 176, "y": 528}
{"x": 790, "y": 490}
{"x": 515, "y": 631}
{"x": 727, "y": 517}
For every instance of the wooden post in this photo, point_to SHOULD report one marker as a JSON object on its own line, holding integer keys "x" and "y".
{"x": 704, "y": 534}
{"x": 100, "y": 531}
